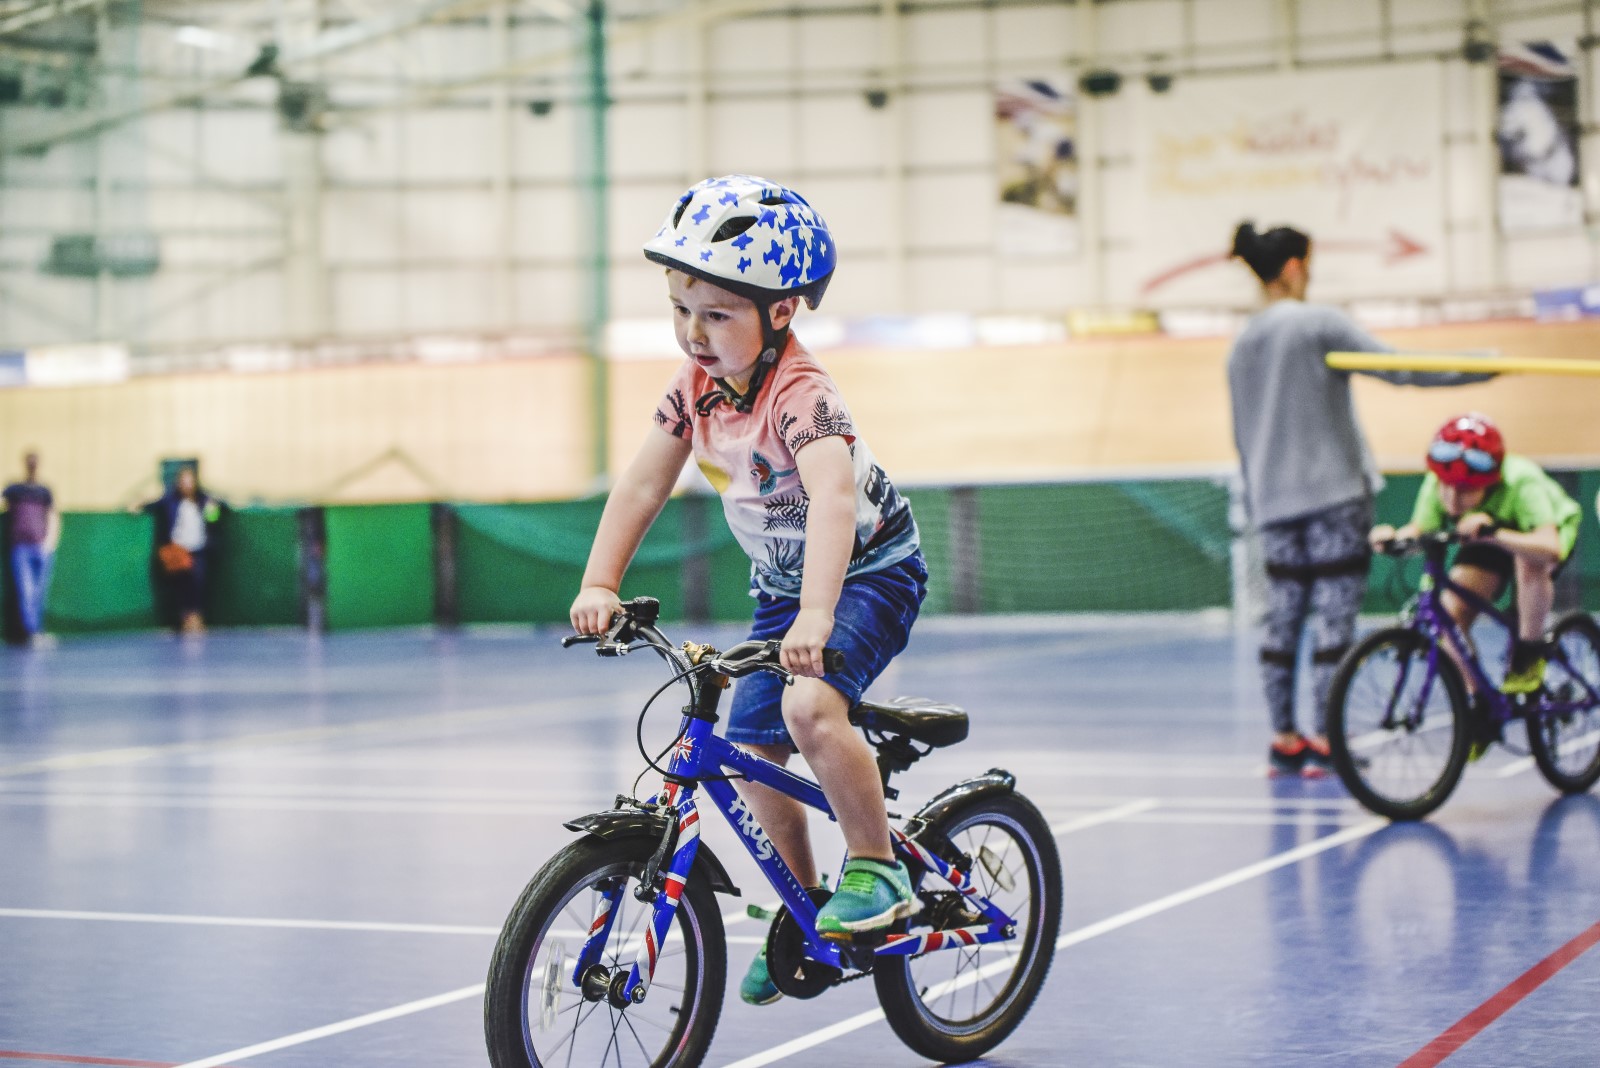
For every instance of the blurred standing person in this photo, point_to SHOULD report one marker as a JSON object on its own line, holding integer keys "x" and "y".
{"x": 185, "y": 530}
{"x": 35, "y": 531}
{"x": 1309, "y": 479}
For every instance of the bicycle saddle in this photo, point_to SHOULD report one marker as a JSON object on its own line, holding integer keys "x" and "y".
{"x": 916, "y": 718}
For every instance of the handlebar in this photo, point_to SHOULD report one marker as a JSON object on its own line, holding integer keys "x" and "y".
{"x": 1437, "y": 539}
{"x": 635, "y": 625}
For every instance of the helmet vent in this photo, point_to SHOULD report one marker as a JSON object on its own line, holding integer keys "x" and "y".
{"x": 733, "y": 228}
{"x": 682, "y": 204}
{"x": 772, "y": 199}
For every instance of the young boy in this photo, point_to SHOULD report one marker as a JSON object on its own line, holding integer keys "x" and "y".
{"x": 1520, "y": 523}
{"x": 833, "y": 547}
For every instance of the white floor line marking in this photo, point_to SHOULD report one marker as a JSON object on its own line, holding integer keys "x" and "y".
{"x": 1221, "y": 882}
{"x": 337, "y": 1028}
{"x": 1517, "y": 767}
{"x": 1084, "y": 934}
{"x": 1095, "y": 819}
{"x": 262, "y": 804}
{"x": 246, "y": 921}
{"x": 1238, "y": 819}
{"x": 293, "y": 736}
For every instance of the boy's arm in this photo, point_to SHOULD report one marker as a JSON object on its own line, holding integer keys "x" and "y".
{"x": 828, "y": 476}
{"x": 52, "y": 530}
{"x": 634, "y": 502}
{"x": 1541, "y": 544}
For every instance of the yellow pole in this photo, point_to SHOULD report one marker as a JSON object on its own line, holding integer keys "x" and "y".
{"x": 1417, "y": 361}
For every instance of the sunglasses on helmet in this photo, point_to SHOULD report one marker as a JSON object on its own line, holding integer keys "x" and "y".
{"x": 1445, "y": 452}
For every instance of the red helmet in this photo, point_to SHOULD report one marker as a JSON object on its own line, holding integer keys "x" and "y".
{"x": 1467, "y": 452}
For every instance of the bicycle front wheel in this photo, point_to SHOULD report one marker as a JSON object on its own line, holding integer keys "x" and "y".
{"x": 537, "y": 1014}
{"x": 956, "y": 1004}
{"x": 1398, "y": 729}
{"x": 1566, "y": 745}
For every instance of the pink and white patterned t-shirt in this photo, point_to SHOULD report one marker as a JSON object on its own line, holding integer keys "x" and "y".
{"x": 749, "y": 460}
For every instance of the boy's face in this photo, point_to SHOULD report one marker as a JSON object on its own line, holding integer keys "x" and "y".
{"x": 720, "y": 331}
{"x": 1458, "y": 501}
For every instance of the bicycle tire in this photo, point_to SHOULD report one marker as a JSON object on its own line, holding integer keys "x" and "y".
{"x": 915, "y": 1006}
{"x": 1415, "y": 771}
{"x": 1579, "y": 639}
{"x": 533, "y": 959}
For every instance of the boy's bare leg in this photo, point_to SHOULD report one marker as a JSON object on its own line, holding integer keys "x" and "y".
{"x": 1536, "y": 592}
{"x": 1485, "y": 584}
{"x": 817, "y": 716}
{"x": 782, "y": 817}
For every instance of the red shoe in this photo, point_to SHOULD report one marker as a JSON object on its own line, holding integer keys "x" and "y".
{"x": 1288, "y": 761}
{"x": 1318, "y": 760}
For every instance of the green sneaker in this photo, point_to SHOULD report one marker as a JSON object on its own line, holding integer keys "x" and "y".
{"x": 1526, "y": 673}
{"x": 871, "y": 895}
{"x": 757, "y": 987}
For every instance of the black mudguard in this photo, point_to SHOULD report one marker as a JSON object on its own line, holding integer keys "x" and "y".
{"x": 993, "y": 781}
{"x": 616, "y": 824}
{"x": 923, "y": 827}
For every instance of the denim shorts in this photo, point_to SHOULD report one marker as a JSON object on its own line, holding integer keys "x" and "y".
{"x": 871, "y": 624}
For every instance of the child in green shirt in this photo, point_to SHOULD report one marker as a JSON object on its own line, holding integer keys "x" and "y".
{"x": 1518, "y": 522}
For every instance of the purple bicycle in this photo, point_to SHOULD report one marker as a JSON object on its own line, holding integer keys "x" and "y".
{"x": 1400, "y": 723}
{"x": 616, "y": 954}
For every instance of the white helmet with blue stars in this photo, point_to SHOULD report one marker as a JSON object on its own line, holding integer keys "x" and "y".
{"x": 749, "y": 236}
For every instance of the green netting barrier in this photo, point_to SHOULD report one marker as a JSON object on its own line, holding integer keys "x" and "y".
{"x": 1587, "y": 552}
{"x": 931, "y": 509}
{"x": 1103, "y": 547}
{"x": 102, "y": 577}
{"x": 379, "y": 565}
{"x": 254, "y": 578}
{"x": 522, "y": 562}
{"x": 1393, "y": 580}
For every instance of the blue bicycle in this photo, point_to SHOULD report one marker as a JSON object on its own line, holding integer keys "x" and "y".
{"x": 615, "y": 954}
{"x": 1400, "y": 724}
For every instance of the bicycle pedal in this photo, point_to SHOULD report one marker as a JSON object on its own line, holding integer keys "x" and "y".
{"x": 859, "y": 939}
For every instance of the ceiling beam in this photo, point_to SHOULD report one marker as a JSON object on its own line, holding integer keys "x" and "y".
{"x": 690, "y": 14}
{"x": 390, "y": 24}
{"x": 14, "y": 22}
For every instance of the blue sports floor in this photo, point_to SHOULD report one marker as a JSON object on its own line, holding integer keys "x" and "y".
{"x": 268, "y": 850}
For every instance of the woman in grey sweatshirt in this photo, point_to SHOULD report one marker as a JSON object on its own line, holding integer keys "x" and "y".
{"x": 1309, "y": 478}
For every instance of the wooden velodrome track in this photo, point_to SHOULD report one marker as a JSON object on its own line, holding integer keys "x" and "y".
{"x": 521, "y": 429}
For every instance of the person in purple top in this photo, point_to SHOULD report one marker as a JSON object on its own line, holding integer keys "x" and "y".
{"x": 35, "y": 530}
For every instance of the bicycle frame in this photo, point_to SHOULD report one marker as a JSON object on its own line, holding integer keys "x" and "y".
{"x": 699, "y": 758}
{"x": 1437, "y": 626}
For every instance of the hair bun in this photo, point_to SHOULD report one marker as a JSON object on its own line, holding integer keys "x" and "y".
{"x": 1243, "y": 239}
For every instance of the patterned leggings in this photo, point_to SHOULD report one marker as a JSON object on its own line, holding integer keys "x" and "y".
{"x": 1316, "y": 567}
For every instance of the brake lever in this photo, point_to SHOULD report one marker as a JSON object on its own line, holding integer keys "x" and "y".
{"x": 607, "y": 644}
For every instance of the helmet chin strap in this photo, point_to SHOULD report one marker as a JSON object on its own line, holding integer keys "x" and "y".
{"x": 772, "y": 344}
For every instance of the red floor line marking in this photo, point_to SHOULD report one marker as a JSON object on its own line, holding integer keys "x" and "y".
{"x": 1473, "y": 1023}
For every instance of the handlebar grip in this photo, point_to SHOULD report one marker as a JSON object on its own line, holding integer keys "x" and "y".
{"x": 575, "y": 639}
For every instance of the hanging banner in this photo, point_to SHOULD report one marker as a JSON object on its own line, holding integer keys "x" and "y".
{"x": 1037, "y": 127}
{"x": 1537, "y": 130}
{"x": 1352, "y": 160}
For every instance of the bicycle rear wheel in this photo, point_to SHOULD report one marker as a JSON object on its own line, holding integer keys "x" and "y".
{"x": 1567, "y": 746}
{"x": 536, "y": 1015}
{"x": 1398, "y": 732}
{"x": 956, "y": 1004}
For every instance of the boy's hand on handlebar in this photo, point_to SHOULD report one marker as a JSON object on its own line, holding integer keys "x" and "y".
{"x": 1381, "y": 535}
{"x": 594, "y": 608}
{"x": 803, "y": 645}
{"x": 1476, "y": 525}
